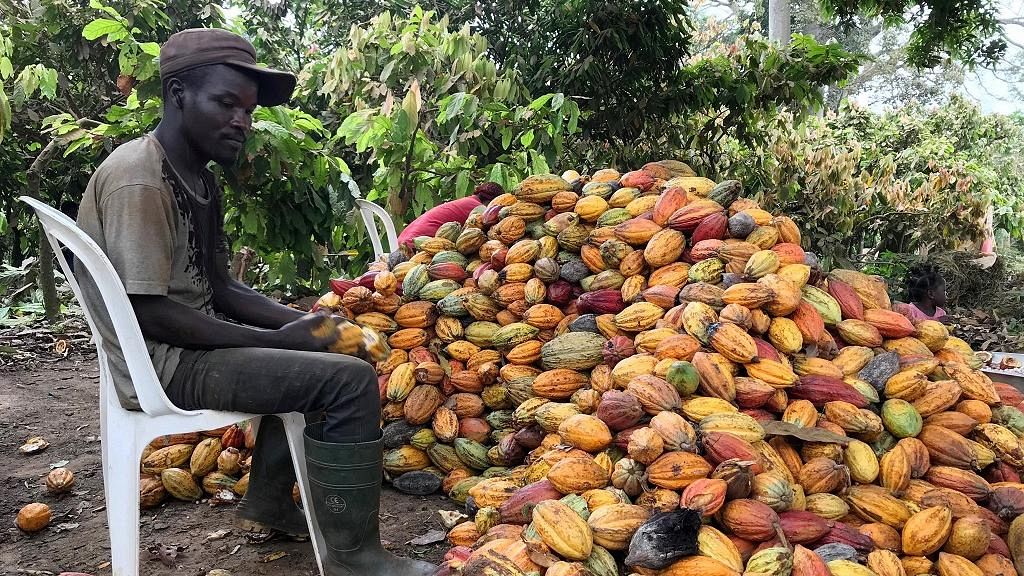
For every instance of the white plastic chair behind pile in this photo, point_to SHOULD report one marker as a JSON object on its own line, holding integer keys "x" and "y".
{"x": 368, "y": 210}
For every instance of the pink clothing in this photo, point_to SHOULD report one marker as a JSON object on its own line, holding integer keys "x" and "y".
{"x": 989, "y": 243}
{"x": 915, "y": 314}
{"x": 431, "y": 220}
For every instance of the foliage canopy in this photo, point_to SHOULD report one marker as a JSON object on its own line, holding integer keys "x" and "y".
{"x": 965, "y": 30}
{"x": 414, "y": 106}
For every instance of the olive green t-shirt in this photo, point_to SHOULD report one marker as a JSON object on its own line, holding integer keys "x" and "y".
{"x": 161, "y": 238}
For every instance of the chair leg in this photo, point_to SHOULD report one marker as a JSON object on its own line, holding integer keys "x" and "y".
{"x": 294, "y": 426}
{"x": 121, "y": 488}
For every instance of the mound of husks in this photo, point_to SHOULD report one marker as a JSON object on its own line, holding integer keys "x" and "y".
{"x": 213, "y": 464}
{"x": 645, "y": 373}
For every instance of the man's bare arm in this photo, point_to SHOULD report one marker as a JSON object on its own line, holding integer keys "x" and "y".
{"x": 238, "y": 301}
{"x": 243, "y": 304}
{"x": 165, "y": 320}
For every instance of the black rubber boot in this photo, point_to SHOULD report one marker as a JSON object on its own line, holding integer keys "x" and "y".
{"x": 345, "y": 483}
{"x": 268, "y": 500}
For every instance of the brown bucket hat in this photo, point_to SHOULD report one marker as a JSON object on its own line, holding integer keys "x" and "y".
{"x": 197, "y": 47}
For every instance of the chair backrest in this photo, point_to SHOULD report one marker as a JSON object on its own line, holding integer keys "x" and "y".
{"x": 368, "y": 210}
{"x": 60, "y": 230}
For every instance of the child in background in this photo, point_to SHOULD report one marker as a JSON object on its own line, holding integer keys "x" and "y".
{"x": 926, "y": 291}
{"x": 454, "y": 211}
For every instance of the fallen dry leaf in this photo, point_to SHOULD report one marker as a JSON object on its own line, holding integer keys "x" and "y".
{"x": 165, "y": 554}
{"x": 219, "y": 534}
{"x": 34, "y": 445}
{"x": 451, "y": 517}
{"x": 273, "y": 556}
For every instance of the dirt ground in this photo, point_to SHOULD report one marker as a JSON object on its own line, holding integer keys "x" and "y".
{"x": 59, "y": 401}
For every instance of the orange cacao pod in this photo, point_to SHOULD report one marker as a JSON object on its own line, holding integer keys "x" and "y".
{"x": 750, "y": 519}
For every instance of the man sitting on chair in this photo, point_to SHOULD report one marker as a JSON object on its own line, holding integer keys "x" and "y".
{"x": 155, "y": 209}
{"x": 454, "y": 211}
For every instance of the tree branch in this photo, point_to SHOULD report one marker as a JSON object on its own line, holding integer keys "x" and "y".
{"x": 301, "y": 21}
{"x": 1013, "y": 42}
{"x": 16, "y": 7}
{"x": 407, "y": 166}
{"x": 45, "y": 279}
{"x": 115, "y": 101}
{"x": 63, "y": 82}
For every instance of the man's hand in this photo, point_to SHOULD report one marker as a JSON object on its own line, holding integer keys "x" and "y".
{"x": 311, "y": 333}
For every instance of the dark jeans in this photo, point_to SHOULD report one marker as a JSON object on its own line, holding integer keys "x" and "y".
{"x": 268, "y": 381}
{"x": 341, "y": 390}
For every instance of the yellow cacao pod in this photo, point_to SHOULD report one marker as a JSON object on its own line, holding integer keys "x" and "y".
{"x": 927, "y": 531}
{"x": 563, "y": 530}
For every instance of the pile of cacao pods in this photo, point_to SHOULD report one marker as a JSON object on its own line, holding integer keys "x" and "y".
{"x": 600, "y": 368}
{"x": 213, "y": 464}
{"x": 592, "y": 364}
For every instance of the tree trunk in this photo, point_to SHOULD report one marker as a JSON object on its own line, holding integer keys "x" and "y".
{"x": 45, "y": 278}
{"x": 47, "y": 281}
{"x": 12, "y": 223}
{"x": 33, "y": 176}
{"x": 240, "y": 263}
{"x": 778, "y": 21}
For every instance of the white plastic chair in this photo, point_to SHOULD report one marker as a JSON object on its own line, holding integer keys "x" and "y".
{"x": 368, "y": 210}
{"x": 125, "y": 433}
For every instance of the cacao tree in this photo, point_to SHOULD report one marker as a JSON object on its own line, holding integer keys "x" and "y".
{"x": 279, "y": 197}
{"x": 966, "y": 30}
{"x": 48, "y": 67}
{"x": 414, "y": 105}
{"x": 424, "y": 106}
{"x": 912, "y": 180}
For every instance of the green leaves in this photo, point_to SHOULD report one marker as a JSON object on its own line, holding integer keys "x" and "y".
{"x": 100, "y": 27}
{"x": 151, "y": 48}
{"x": 476, "y": 121}
{"x": 97, "y": 5}
{"x": 5, "y": 113}
{"x": 33, "y": 78}
{"x": 452, "y": 106}
{"x": 6, "y": 70}
{"x": 968, "y": 31}
{"x": 135, "y": 59}
{"x": 288, "y": 194}
{"x": 30, "y": 80}
{"x": 859, "y": 182}
{"x": 408, "y": 119}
